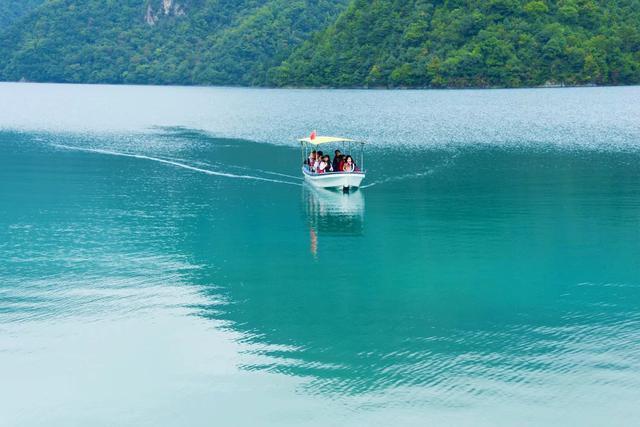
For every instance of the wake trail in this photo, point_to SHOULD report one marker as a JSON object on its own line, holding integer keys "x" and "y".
{"x": 401, "y": 178}
{"x": 414, "y": 175}
{"x": 275, "y": 173}
{"x": 174, "y": 163}
{"x": 284, "y": 175}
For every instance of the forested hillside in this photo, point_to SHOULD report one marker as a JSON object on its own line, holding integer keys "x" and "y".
{"x": 12, "y": 10}
{"x": 159, "y": 41}
{"x": 339, "y": 43}
{"x": 461, "y": 43}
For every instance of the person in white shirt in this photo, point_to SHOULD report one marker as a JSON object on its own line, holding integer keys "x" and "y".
{"x": 311, "y": 160}
{"x": 316, "y": 164}
{"x": 325, "y": 165}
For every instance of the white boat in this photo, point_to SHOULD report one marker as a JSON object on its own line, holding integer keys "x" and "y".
{"x": 339, "y": 180}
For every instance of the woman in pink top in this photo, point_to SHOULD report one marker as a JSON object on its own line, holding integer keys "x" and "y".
{"x": 348, "y": 165}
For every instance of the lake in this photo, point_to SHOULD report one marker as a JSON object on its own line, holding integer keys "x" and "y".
{"x": 162, "y": 263}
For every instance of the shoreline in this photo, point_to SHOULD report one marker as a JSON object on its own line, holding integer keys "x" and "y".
{"x": 362, "y": 88}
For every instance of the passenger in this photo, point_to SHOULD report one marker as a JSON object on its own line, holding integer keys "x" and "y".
{"x": 316, "y": 164}
{"x": 329, "y": 166}
{"x": 311, "y": 159}
{"x": 336, "y": 160}
{"x": 321, "y": 165}
{"x": 349, "y": 165}
{"x": 324, "y": 165}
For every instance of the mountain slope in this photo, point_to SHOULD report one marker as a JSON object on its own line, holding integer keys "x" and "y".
{"x": 160, "y": 41}
{"x": 340, "y": 43}
{"x": 461, "y": 43}
{"x": 261, "y": 40}
{"x": 13, "y": 10}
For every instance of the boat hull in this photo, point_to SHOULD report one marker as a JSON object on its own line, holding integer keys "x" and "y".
{"x": 339, "y": 180}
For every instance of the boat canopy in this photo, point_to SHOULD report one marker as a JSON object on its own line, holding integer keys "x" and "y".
{"x": 325, "y": 140}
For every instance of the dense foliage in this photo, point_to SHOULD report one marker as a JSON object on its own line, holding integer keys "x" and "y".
{"x": 459, "y": 43}
{"x": 12, "y": 10}
{"x": 162, "y": 42}
{"x": 377, "y": 43}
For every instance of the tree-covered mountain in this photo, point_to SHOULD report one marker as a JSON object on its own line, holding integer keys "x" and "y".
{"x": 461, "y": 43}
{"x": 12, "y": 10}
{"x": 343, "y": 43}
{"x": 159, "y": 41}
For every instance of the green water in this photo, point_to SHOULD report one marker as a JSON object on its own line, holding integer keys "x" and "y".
{"x": 170, "y": 270}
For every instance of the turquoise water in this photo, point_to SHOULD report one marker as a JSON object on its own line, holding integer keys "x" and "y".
{"x": 161, "y": 262}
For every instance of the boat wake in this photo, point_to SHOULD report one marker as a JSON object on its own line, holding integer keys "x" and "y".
{"x": 284, "y": 175}
{"x": 205, "y": 168}
{"x": 226, "y": 165}
{"x": 448, "y": 162}
{"x": 400, "y": 178}
{"x": 175, "y": 164}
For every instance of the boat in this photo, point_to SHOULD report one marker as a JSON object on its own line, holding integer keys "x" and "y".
{"x": 337, "y": 180}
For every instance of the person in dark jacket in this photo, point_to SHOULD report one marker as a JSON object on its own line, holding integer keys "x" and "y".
{"x": 336, "y": 160}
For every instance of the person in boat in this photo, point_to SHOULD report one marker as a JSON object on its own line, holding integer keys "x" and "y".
{"x": 310, "y": 161}
{"x": 337, "y": 158}
{"x": 340, "y": 163}
{"x": 325, "y": 165}
{"x": 316, "y": 163}
{"x": 329, "y": 167}
{"x": 348, "y": 165}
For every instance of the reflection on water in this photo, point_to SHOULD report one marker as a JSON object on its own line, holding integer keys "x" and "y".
{"x": 147, "y": 279}
{"x": 481, "y": 282}
{"x": 333, "y": 213}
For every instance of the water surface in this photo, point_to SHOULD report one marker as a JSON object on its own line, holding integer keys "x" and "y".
{"x": 161, "y": 262}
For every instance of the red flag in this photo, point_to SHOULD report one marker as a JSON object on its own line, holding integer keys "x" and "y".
{"x": 313, "y": 135}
